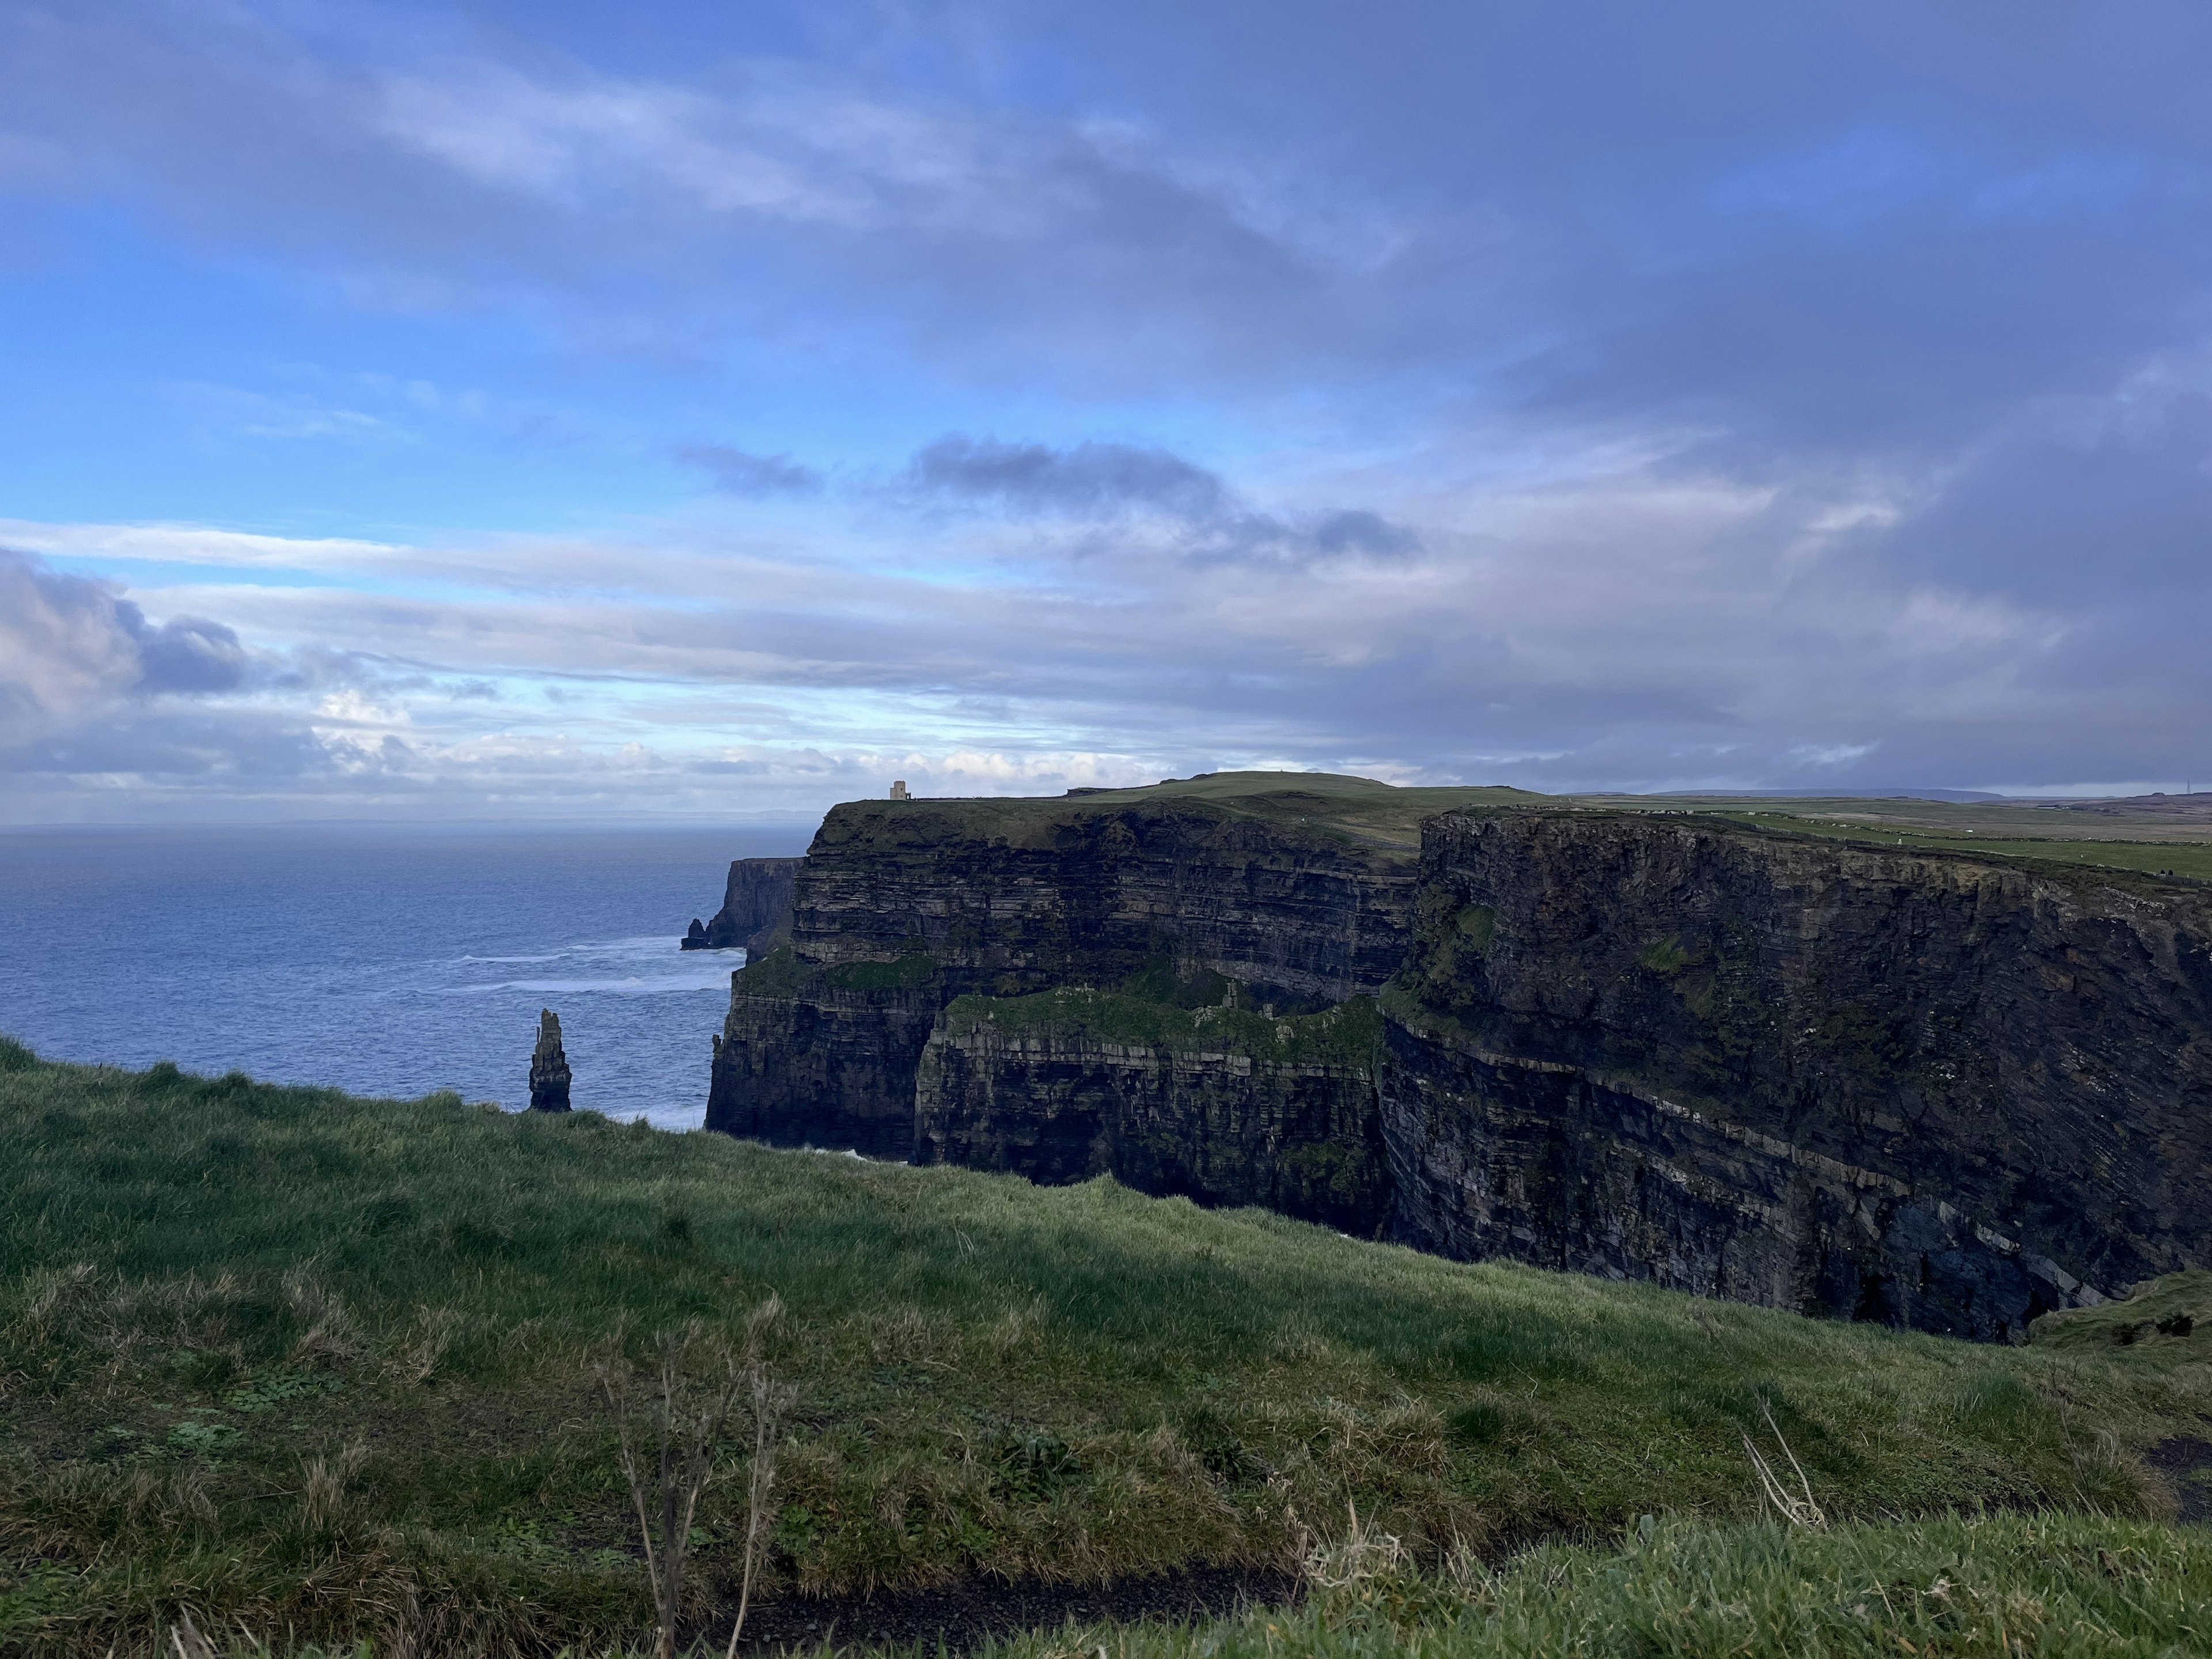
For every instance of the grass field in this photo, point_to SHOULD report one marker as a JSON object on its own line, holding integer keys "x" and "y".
{"x": 2002, "y": 1586}
{"x": 322, "y": 1365}
{"x": 1387, "y": 819}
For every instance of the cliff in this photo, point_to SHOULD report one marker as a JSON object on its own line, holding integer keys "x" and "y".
{"x": 755, "y": 908}
{"x": 1930, "y": 1089}
{"x": 1220, "y": 1105}
{"x": 1926, "y": 1088}
{"x": 1285, "y": 894}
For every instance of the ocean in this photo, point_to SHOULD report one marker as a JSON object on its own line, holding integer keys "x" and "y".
{"x": 383, "y": 961}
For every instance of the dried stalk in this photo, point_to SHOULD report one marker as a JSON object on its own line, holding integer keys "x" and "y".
{"x": 670, "y": 1450}
{"x": 1798, "y": 1508}
{"x": 771, "y": 1399}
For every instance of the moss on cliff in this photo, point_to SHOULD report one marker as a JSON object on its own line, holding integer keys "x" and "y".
{"x": 1343, "y": 1035}
{"x": 783, "y": 974}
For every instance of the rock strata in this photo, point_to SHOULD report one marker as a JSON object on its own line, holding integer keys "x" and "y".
{"x": 1921, "y": 1088}
{"x": 900, "y": 908}
{"x": 1234, "y": 1109}
{"x": 1928, "y": 1089}
{"x": 549, "y": 1066}
{"x": 755, "y": 911}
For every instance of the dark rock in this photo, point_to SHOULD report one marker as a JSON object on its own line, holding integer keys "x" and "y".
{"x": 549, "y": 1066}
{"x": 1921, "y": 1088}
{"x": 1928, "y": 1089}
{"x": 756, "y": 913}
{"x": 824, "y": 1057}
{"x": 898, "y": 910}
{"x": 1216, "y": 1111}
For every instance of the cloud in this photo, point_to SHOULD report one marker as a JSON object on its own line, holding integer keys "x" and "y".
{"x": 1091, "y": 480}
{"x": 1818, "y": 394}
{"x": 187, "y": 655}
{"x": 1102, "y": 484}
{"x": 73, "y": 645}
{"x": 739, "y": 472}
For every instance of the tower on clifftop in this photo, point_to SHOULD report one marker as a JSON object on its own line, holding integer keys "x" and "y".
{"x": 898, "y": 791}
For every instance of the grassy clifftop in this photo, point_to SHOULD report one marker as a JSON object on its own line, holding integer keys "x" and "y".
{"x": 2143, "y": 836}
{"x": 1326, "y": 807}
{"x": 212, "y": 1291}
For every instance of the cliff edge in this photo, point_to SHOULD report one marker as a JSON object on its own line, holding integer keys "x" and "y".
{"x": 1924, "y": 1088}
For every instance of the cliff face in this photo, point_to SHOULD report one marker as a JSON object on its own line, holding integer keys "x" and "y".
{"x": 1009, "y": 899}
{"x": 1280, "y": 912}
{"x": 1223, "y": 1106}
{"x": 755, "y": 911}
{"x": 824, "y": 1057}
{"x": 1922, "y": 1088}
{"x": 1917, "y": 1088}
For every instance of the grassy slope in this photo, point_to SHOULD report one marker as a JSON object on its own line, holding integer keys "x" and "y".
{"x": 996, "y": 1378}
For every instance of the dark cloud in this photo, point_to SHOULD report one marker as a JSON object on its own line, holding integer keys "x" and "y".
{"x": 74, "y": 644}
{"x": 1091, "y": 480}
{"x": 208, "y": 747}
{"x": 1104, "y": 482}
{"x": 739, "y": 472}
{"x": 187, "y": 655}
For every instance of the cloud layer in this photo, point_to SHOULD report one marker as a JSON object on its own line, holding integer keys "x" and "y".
{"x": 506, "y": 412}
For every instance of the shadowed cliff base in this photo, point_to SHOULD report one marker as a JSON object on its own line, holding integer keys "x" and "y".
{"x": 1848, "y": 1058}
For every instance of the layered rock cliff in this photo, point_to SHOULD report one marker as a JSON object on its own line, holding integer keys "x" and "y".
{"x": 1278, "y": 900}
{"x": 1922, "y": 1088}
{"x": 1223, "y": 1105}
{"x": 1927, "y": 1089}
{"x": 755, "y": 911}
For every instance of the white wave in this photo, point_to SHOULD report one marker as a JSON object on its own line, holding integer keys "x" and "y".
{"x": 633, "y": 985}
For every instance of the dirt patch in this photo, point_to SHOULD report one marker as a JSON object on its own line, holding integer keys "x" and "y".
{"x": 2186, "y": 1460}
{"x": 963, "y": 1616}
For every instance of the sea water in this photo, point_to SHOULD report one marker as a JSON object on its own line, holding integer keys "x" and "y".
{"x": 389, "y": 961}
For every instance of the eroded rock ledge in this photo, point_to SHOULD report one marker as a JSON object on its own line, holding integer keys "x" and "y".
{"x": 1928, "y": 1089}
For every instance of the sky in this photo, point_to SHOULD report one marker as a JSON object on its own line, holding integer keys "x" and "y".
{"x": 716, "y": 410}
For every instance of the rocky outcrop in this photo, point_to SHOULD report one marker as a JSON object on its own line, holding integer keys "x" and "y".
{"x": 1926, "y": 1088}
{"x": 813, "y": 1056}
{"x": 549, "y": 1066}
{"x": 756, "y": 913}
{"x": 901, "y": 907}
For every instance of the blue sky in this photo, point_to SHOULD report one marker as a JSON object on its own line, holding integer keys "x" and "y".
{"x": 718, "y": 410}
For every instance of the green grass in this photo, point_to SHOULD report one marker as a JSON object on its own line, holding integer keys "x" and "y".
{"x": 2180, "y": 858}
{"x": 211, "y": 1289}
{"x": 2000, "y": 1586}
{"x": 1381, "y": 818}
{"x": 2148, "y": 844}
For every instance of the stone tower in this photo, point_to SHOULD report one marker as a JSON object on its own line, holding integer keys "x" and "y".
{"x": 898, "y": 790}
{"x": 549, "y": 1066}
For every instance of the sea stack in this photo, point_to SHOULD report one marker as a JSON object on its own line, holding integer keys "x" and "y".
{"x": 549, "y": 1066}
